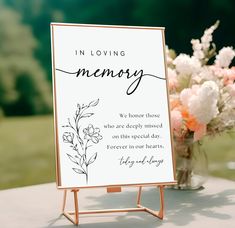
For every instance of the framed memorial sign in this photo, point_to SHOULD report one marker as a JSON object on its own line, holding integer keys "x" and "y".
{"x": 111, "y": 109}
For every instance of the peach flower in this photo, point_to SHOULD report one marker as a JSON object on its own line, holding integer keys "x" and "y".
{"x": 172, "y": 76}
{"x": 192, "y": 124}
{"x": 177, "y": 121}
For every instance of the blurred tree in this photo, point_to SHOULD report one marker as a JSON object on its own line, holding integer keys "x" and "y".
{"x": 183, "y": 19}
{"x": 23, "y": 87}
{"x": 40, "y": 13}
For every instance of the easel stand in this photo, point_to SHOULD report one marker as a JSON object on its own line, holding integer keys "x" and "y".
{"x": 73, "y": 216}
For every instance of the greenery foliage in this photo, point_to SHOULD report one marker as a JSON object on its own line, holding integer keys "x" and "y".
{"x": 27, "y": 151}
{"x": 24, "y": 89}
{"x": 25, "y": 37}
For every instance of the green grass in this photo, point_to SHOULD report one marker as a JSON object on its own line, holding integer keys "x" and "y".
{"x": 27, "y": 152}
{"x": 221, "y": 150}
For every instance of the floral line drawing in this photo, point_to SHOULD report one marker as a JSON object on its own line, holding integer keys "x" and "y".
{"x": 81, "y": 140}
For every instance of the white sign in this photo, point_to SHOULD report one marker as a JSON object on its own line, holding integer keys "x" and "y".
{"x": 111, "y": 106}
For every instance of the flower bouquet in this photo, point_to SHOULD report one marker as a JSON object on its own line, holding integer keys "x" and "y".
{"x": 202, "y": 102}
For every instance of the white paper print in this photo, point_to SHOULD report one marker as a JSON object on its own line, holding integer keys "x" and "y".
{"x": 110, "y": 100}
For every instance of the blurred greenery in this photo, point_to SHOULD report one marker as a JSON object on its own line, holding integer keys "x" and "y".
{"x": 25, "y": 56}
{"x": 26, "y": 149}
{"x": 27, "y": 152}
{"x": 23, "y": 86}
{"x": 220, "y": 152}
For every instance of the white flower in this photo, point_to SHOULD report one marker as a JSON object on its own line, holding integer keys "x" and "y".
{"x": 185, "y": 64}
{"x": 168, "y": 57}
{"x": 197, "y": 49}
{"x": 185, "y": 95}
{"x": 196, "y": 44}
{"x": 206, "y": 39}
{"x": 204, "y": 105}
{"x": 225, "y": 56}
{"x": 227, "y": 119}
{"x": 172, "y": 76}
{"x": 206, "y": 74}
{"x": 231, "y": 89}
{"x": 171, "y": 73}
{"x": 207, "y": 36}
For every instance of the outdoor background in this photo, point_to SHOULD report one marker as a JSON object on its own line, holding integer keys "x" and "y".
{"x": 26, "y": 121}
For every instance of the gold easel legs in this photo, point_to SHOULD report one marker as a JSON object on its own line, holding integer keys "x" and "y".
{"x": 73, "y": 216}
{"x": 69, "y": 215}
{"x": 159, "y": 213}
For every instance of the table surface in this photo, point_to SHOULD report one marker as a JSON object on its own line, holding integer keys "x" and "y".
{"x": 40, "y": 206}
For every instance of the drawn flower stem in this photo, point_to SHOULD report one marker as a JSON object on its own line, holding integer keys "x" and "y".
{"x": 80, "y": 143}
{"x": 86, "y": 163}
{"x": 77, "y": 131}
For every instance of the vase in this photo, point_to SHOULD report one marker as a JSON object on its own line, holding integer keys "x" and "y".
{"x": 191, "y": 164}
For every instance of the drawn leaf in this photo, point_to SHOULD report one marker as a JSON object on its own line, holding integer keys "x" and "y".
{"x": 83, "y": 159}
{"x": 94, "y": 103}
{"x": 87, "y": 115}
{"x": 78, "y": 171}
{"x": 72, "y": 159}
{"x": 79, "y": 107}
{"x": 92, "y": 159}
